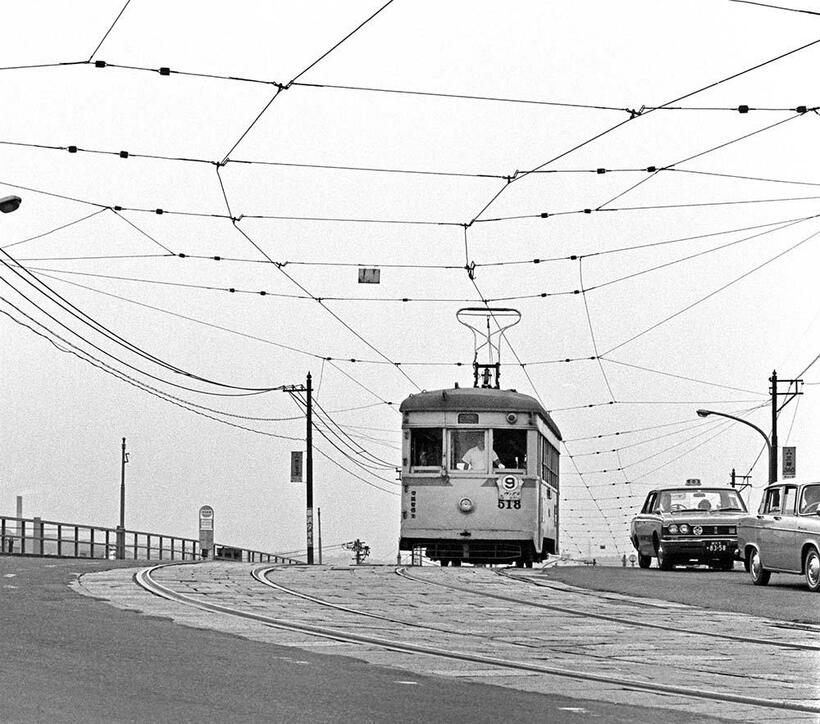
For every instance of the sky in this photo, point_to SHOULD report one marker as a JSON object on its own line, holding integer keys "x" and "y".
{"x": 588, "y": 161}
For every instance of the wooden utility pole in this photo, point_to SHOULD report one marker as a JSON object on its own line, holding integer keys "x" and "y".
{"x": 308, "y": 390}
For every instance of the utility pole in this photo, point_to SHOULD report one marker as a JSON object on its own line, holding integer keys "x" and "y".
{"x": 121, "y": 526}
{"x": 319, "y": 526}
{"x": 309, "y": 468}
{"x": 791, "y": 392}
{"x": 308, "y": 390}
{"x": 773, "y": 457}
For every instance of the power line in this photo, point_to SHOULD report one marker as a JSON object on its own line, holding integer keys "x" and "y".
{"x": 775, "y": 7}
{"x": 676, "y": 376}
{"x": 54, "y": 230}
{"x": 93, "y": 361}
{"x": 644, "y": 112}
{"x": 73, "y": 311}
{"x": 107, "y": 32}
{"x": 711, "y": 294}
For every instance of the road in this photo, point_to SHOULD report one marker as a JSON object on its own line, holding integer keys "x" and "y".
{"x": 69, "y": 658}
{"x": 786, "y": 598}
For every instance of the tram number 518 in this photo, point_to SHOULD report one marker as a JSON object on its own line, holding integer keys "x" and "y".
{"x": 509, "y": 504}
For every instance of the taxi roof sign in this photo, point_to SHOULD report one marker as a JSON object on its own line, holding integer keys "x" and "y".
{"x": 693, "y": 482}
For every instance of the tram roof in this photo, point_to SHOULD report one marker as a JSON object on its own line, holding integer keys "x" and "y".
{"x": 477, "y": 398}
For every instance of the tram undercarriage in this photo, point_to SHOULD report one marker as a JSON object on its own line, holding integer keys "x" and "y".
{"x": 479, "y": 552}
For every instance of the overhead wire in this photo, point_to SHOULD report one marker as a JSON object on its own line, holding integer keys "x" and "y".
{"x": 643, "y": 113}
{"x": 66, "y": 306}
{"x": 95, "y": 362}
{"x": 108, "y": 32}
{"x": 53, "y": 231}
{"x": 712, "y": 293}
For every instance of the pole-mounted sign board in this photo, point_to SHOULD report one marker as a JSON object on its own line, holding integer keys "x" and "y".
{"x": 789, "y": 462}
{"x": 296, "y": 467}
{"x": 206, "y": 530}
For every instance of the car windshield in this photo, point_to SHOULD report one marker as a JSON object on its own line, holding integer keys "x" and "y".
{"x": 699, "y": 500}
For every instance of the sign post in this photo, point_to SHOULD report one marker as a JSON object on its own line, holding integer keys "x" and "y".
{"x": 206, "y": 530}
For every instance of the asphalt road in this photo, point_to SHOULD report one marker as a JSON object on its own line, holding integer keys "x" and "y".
{"x": 67, "y": 658}
{"x": 786, "y": 598}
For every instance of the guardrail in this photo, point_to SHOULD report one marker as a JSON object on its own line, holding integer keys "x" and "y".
{"x": 48, "y": 538}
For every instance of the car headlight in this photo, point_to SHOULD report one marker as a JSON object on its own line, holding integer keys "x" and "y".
{"x": 697, "y": 530}
{"x": 673, "y": 529}
{"x": 684, "y": 528}
{"x": 732, "y": 530}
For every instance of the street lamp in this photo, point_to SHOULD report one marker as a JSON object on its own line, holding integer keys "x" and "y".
{"x": 10, "y": 203}
{"x": 772, "y": 459}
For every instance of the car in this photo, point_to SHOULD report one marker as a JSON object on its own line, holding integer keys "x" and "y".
{"x": 680, "y": 525}
{"x": 784, "y": 536}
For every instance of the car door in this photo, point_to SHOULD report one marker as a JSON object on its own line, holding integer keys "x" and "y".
{"x": 644, "y": 524}
{"x": 784, "y": 550}
{"x": 764, "y": 527}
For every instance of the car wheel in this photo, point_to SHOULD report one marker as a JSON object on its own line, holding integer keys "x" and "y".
{"x": 665, "y": 561}
{"x": 813, "y": 570}
{"x": 760, "y": 576}
{"x": 644, "y": 561}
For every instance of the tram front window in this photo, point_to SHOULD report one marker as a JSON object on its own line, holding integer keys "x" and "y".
{"x": 510, "y": 448}
{"x": 468, "y": 450}
{"x": 425, "y": 447}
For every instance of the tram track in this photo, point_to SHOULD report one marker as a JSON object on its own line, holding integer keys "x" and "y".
{"x": 607, "y": 617}
{"x": 146, "y": 579}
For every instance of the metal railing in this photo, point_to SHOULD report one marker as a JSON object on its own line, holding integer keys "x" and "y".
{"x": 48, "y": 538}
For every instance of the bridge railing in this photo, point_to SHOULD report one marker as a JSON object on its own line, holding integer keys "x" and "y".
{"x": 37, "y": 537}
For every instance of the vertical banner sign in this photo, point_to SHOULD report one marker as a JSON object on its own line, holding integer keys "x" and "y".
{"x": 310, "y": 527}
{"x": 206, "y": 531}
{"x": 789, "y": 462}
{"x": 296, "y": 466}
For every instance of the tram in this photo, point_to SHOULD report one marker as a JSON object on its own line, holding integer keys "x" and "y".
{"x": 480, "y": 475}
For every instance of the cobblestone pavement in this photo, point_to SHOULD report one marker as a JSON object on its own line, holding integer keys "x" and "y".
{"x": 473, "y": 623}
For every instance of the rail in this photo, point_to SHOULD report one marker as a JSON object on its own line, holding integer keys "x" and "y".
{"x": 54, "y": 539}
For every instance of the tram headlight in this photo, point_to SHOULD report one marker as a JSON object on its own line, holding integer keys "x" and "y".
{"x": 684, "y": 528}
{"x": 673, "y": 529}
{"x": 465, "y": 505}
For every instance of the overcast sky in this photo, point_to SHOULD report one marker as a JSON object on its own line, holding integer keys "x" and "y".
{"x": 407, "y": 147}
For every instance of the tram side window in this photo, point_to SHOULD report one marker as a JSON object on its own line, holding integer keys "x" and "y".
{"x": 549, "y": 463}
{"x": 511, "y": 448}
{"x": 468, "y": 450}
{"x": 425, "y": 447}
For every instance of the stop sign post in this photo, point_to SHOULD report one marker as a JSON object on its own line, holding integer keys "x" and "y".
{"x": 206, "y": 530}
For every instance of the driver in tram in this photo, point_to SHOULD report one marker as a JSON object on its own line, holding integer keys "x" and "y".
{"x": 476, "y": 459}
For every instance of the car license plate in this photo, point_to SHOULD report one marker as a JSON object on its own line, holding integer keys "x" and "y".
{"x": 716, "y": 547}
